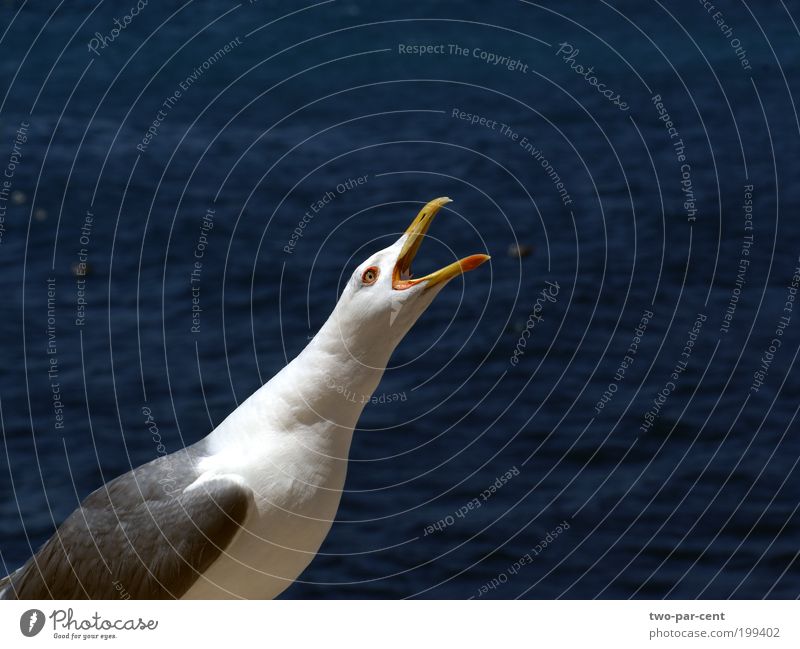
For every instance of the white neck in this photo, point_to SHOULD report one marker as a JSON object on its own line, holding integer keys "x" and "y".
{"x": 321, "y": 392}
{"x": 331, "y": 379}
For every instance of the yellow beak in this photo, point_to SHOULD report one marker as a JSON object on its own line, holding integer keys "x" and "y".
{"x": 401, "y": 278}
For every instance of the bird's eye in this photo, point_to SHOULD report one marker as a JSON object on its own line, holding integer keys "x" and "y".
{"x": 370, "y": 275}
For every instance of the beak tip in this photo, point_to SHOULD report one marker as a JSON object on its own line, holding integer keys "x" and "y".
{"x": 473, "y": 261}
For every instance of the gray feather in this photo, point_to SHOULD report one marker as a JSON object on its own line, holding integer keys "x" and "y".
{"x": 138, "y": 536}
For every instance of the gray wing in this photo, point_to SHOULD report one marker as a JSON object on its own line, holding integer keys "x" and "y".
{"x": 138, "y": 536}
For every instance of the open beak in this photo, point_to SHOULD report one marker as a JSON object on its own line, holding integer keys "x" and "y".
{"x": 402, "y": 277}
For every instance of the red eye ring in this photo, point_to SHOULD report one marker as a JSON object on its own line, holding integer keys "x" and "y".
{"x": 370, "y": 275}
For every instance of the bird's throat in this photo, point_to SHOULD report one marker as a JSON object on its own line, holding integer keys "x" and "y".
{"x": 331, "y": 380}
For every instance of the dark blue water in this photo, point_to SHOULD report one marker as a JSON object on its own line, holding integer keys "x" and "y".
{"x": 668, "y": 257}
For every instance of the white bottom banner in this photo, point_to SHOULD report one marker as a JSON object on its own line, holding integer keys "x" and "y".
{"x": 387, "y": 624}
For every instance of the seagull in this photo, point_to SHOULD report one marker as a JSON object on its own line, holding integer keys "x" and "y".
{"x": 241, "y": 513}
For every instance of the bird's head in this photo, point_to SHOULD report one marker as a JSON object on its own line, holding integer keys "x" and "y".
{"x": 382, "y": 299}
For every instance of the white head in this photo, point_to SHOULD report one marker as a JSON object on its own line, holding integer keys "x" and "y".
{"x": 333, "y": 377}
{"x": 382, "y": 300}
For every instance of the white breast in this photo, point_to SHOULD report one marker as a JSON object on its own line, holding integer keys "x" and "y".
{"x": 297, "y": 479}
{"x": 289, "y": 443}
